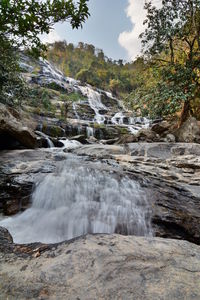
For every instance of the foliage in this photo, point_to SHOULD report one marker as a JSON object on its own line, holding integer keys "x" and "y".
{"x": 171, "y": 44}
{"x": 21, "y": 22}
{"x": 12, "y": 86}
{"x": 72, "y": 97}
{"x": 88, "y": 64}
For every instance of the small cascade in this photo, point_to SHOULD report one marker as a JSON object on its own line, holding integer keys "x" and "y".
{"x": 75, "y": 111}
{"x": 89, "y": 131}
{"x": 70, "y": 144}
{"x": 118, "y": 118}
{"x": 78, "y": 199}
{"x": 49, "y": 141}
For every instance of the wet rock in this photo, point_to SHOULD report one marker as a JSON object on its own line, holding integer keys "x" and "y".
{"x": 13, "y": 133}
{"x": 101, "y": 267}
{"x": 5, "y": 236}
{"x": 189, "y": 132}
{"x": 161, "y": 127}
{"x": 53, "y": 130}
{"x": 80, "y": 138}
{"x": 19, "y": 170}
{"x": 172, "y": 175}
{"x": 147, "y": 135}
{"x": 84, "y": 111}
{"x": 101, "y": 151}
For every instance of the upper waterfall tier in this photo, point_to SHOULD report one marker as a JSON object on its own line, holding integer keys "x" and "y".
{"x": 92, "y": 105}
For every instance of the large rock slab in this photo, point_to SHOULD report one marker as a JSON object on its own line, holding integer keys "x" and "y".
{"x": 19, "y": 170}
{"x": 101, "y": 267}
{"x": 12, "y": 130}
{"x": 189, "y": 131}
{"x": 171, "y": 174}
{"x": 100, "y": 151}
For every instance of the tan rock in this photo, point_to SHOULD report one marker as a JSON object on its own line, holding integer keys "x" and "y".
{"x": 102, "y": 267}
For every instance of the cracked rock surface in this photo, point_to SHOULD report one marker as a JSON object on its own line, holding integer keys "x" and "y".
{"x": 101, "y": 267}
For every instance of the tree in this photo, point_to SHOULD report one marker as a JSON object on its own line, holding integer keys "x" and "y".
{"x": 22, "y": 21}
{"x": 172, "y": 42}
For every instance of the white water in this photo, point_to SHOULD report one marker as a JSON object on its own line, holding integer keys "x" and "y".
{"x": 89, "y": 131}
{"x": 94, "y": 99}
{"x": 103, "y": 114}
{"x": 49, "y": 142}
{"x": 81, "y": 199}
{"x": 70, "y": 144}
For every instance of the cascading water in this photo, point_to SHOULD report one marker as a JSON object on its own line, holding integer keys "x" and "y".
{"x": 94, "y": 99}
{"x": 79, "y": 199}
{"x": 111, "y": 114}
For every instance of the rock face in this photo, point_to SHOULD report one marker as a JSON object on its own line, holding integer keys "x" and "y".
{"x": 189, "y": 132}
{"x": 171, "y": 175}
{"x": 12, "y": 132}
{"x": 101, "y": 267}
{"x": 19, "y": 170}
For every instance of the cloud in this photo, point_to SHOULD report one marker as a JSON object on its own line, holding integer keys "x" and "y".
{"x": 52, "y": 37}
{"x": 130, "y": 39}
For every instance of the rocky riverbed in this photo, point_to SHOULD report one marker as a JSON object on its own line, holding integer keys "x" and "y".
{"x": 101, "y": 203}
{"x": 168, "y": 173}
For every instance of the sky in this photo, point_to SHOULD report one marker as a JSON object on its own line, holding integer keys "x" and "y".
{"x": 114, "y": 26}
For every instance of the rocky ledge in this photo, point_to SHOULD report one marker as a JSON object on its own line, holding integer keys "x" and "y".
{"x": 169, "y": 174}
{"x": 100, "y": 267}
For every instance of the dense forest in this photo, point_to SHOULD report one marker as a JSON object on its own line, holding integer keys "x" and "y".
{"x": 88, "y": 64}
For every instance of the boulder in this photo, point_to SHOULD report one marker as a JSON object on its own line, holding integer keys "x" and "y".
{"x": 161, "y": 127}
{"x": 101, "y": 267}
{"x": 189, "y": 132}
{"x": 5, "y": 236}
{"x": 13, "y": 133}
{"x": 53, "y": 130}
{"x": 147, "y": 135}
{"x": 170, "y": 138}
{"x": 127, "y": 138}
{"x": 80, "y": 138}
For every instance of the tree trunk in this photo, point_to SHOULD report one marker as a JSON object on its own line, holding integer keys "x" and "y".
{"x": 185, "y": 113}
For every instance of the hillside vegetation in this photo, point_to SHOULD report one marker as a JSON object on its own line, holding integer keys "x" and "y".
{"x": 163, "y": 82}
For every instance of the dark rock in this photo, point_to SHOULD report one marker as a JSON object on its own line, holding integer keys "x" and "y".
{"x": 160, "y": 128}
{"x": 80, "y": 138}
{"x": 53, "y": 130}
{"x": 5, "y": 236}
{"x": 12, "y": 132}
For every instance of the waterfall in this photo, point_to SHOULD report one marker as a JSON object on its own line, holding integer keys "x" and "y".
{"x": 49, "y": 141}
{"x": 78, "y": 199}
{"x": 94, "y": 99}
{"x": 89, "y": 131}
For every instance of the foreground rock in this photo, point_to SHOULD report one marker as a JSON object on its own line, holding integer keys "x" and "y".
{"x": 13, "y": 133}
{"x": 101, "y": 267}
